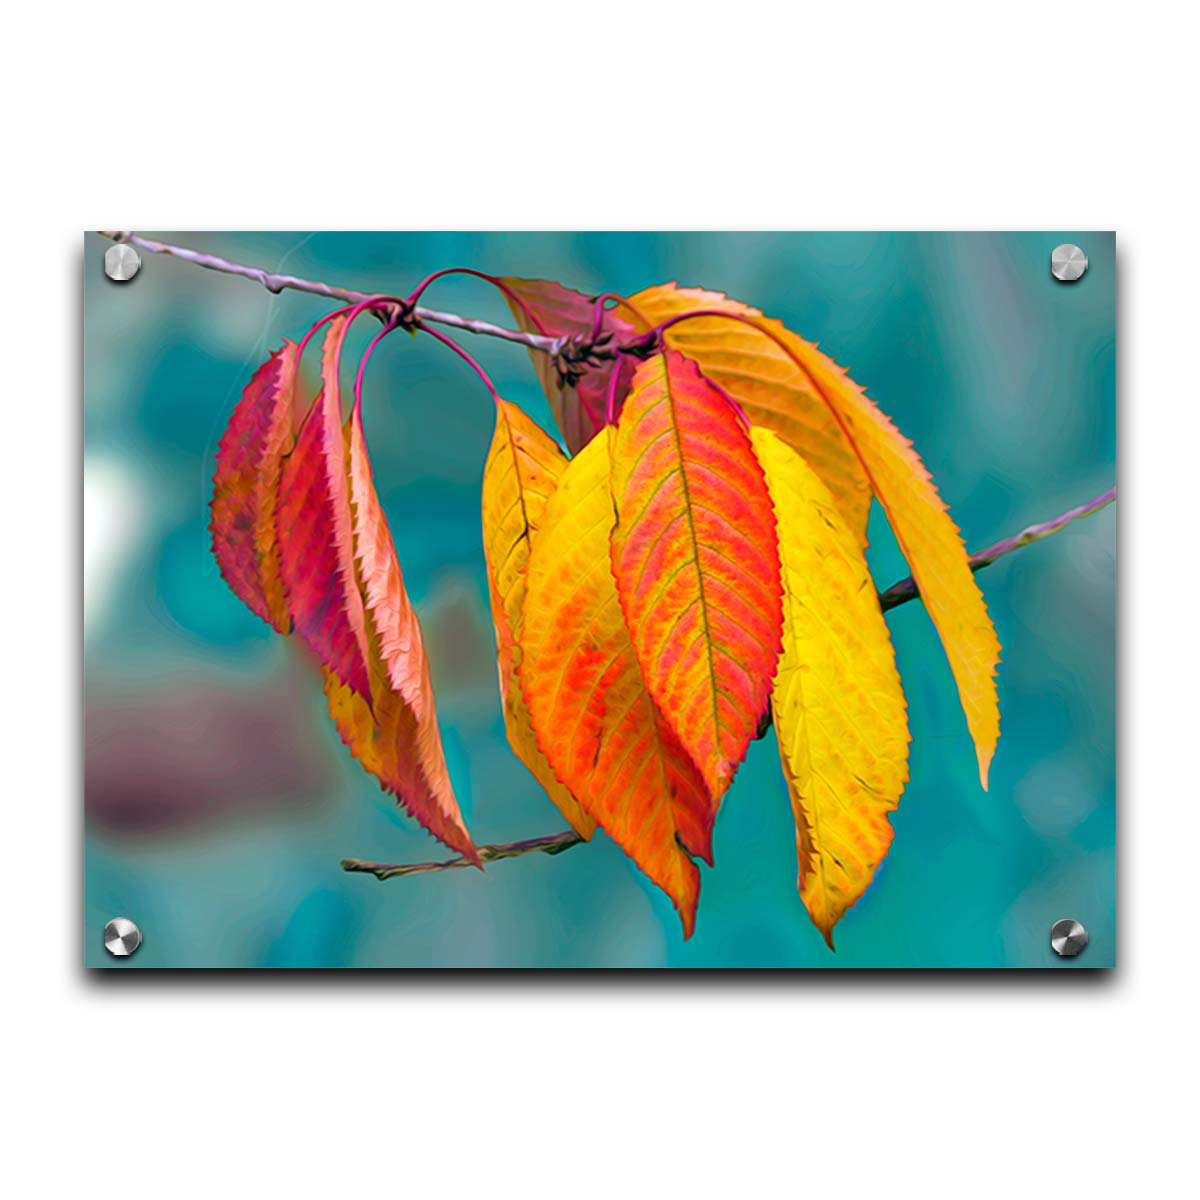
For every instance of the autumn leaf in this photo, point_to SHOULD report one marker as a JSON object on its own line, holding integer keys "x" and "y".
{"x": 315, "y": 534}
{"x": 595, "y": 719}
{"x": 771, "y": 389}
{"x": 578, "y": 399}
{"x": 837, "y": 702}
{"x": 522, "y": 470}
{"x": 928, "y": 538}
{"x": 396, "y": 737}
{"x": 696, "y": 563}
{"x": 249, "y": 460}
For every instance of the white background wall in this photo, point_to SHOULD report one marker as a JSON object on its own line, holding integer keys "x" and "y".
{"x": 631, "y": 115}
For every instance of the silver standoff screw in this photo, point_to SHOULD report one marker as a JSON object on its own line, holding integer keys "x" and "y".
{"x": 121, "y": 262}
{"x": 1068, "y": 263}
{"x": 121, "y": 937}
{"x": 1068, "y": 938}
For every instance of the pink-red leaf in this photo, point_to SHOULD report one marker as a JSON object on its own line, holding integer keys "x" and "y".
{"x": 578, "y": 393}
{"x": 316, "y": 541}
{"x": 249, "y": 461}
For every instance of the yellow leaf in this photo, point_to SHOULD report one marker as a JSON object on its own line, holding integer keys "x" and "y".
{"x": 837, "y": 703}
{"x": 522, "y": 470}
{"x": 772, "y": 390}
{"x": 929, "y": 540}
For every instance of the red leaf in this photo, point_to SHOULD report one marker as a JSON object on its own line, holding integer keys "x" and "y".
{"x": 249, "y": 461}
{"x": 316, "y": 541}
{"x": 578, "y": 401}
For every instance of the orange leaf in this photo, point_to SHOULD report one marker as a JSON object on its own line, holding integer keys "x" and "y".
{"x": 522, "y": 470}
{"x": 396, "y": 738}
{"x": 594, "y": 717}
{"x": 578, "y": 398}
{"x": 259, "y": 434}
{"x": 838, "y": 707}
{"x": 696, "y": 561}
{"x": 774, "y": 393}
{"x": 316, "y": 540}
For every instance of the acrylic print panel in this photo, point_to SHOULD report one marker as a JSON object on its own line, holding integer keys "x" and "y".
{"x": 438, "y": 614}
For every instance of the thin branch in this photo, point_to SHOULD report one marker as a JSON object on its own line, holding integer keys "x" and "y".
{"x": 906, "y": 589}
{"x": 897, "y": 594}
{"x": 278, "y": 283}
{"x": 554, "y": 843}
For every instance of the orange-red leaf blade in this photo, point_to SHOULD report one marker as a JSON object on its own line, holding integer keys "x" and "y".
{"x": 249, "y": 461}
{"x": 521, "y": 473}
{"x": 696, "y": 562}
{"x": 316, "y": 539}
{"x": 772, "y": 390}
{"x": 837, "y": 702}
{"x": 595, "y": 719}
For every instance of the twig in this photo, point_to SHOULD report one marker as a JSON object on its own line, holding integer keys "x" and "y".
{"x": 554, "y": 843}
{"x": 897, "y": 594}
{"x": 279, "y": 283}
{"x": 906, "y": 589}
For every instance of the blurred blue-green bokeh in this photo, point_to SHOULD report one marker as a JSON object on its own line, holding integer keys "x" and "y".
{"x": 220, "y": 800}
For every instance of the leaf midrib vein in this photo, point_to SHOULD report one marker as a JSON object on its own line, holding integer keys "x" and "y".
{"x": 669, "y": 396}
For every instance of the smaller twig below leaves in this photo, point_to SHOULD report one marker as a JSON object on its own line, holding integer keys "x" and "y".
{"x": 554, "y": 843}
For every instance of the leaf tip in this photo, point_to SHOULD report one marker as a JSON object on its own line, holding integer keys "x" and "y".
{"x": 984, "y": 754}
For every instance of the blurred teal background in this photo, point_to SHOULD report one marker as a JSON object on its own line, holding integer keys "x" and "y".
{"x": 219, "y": 798}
